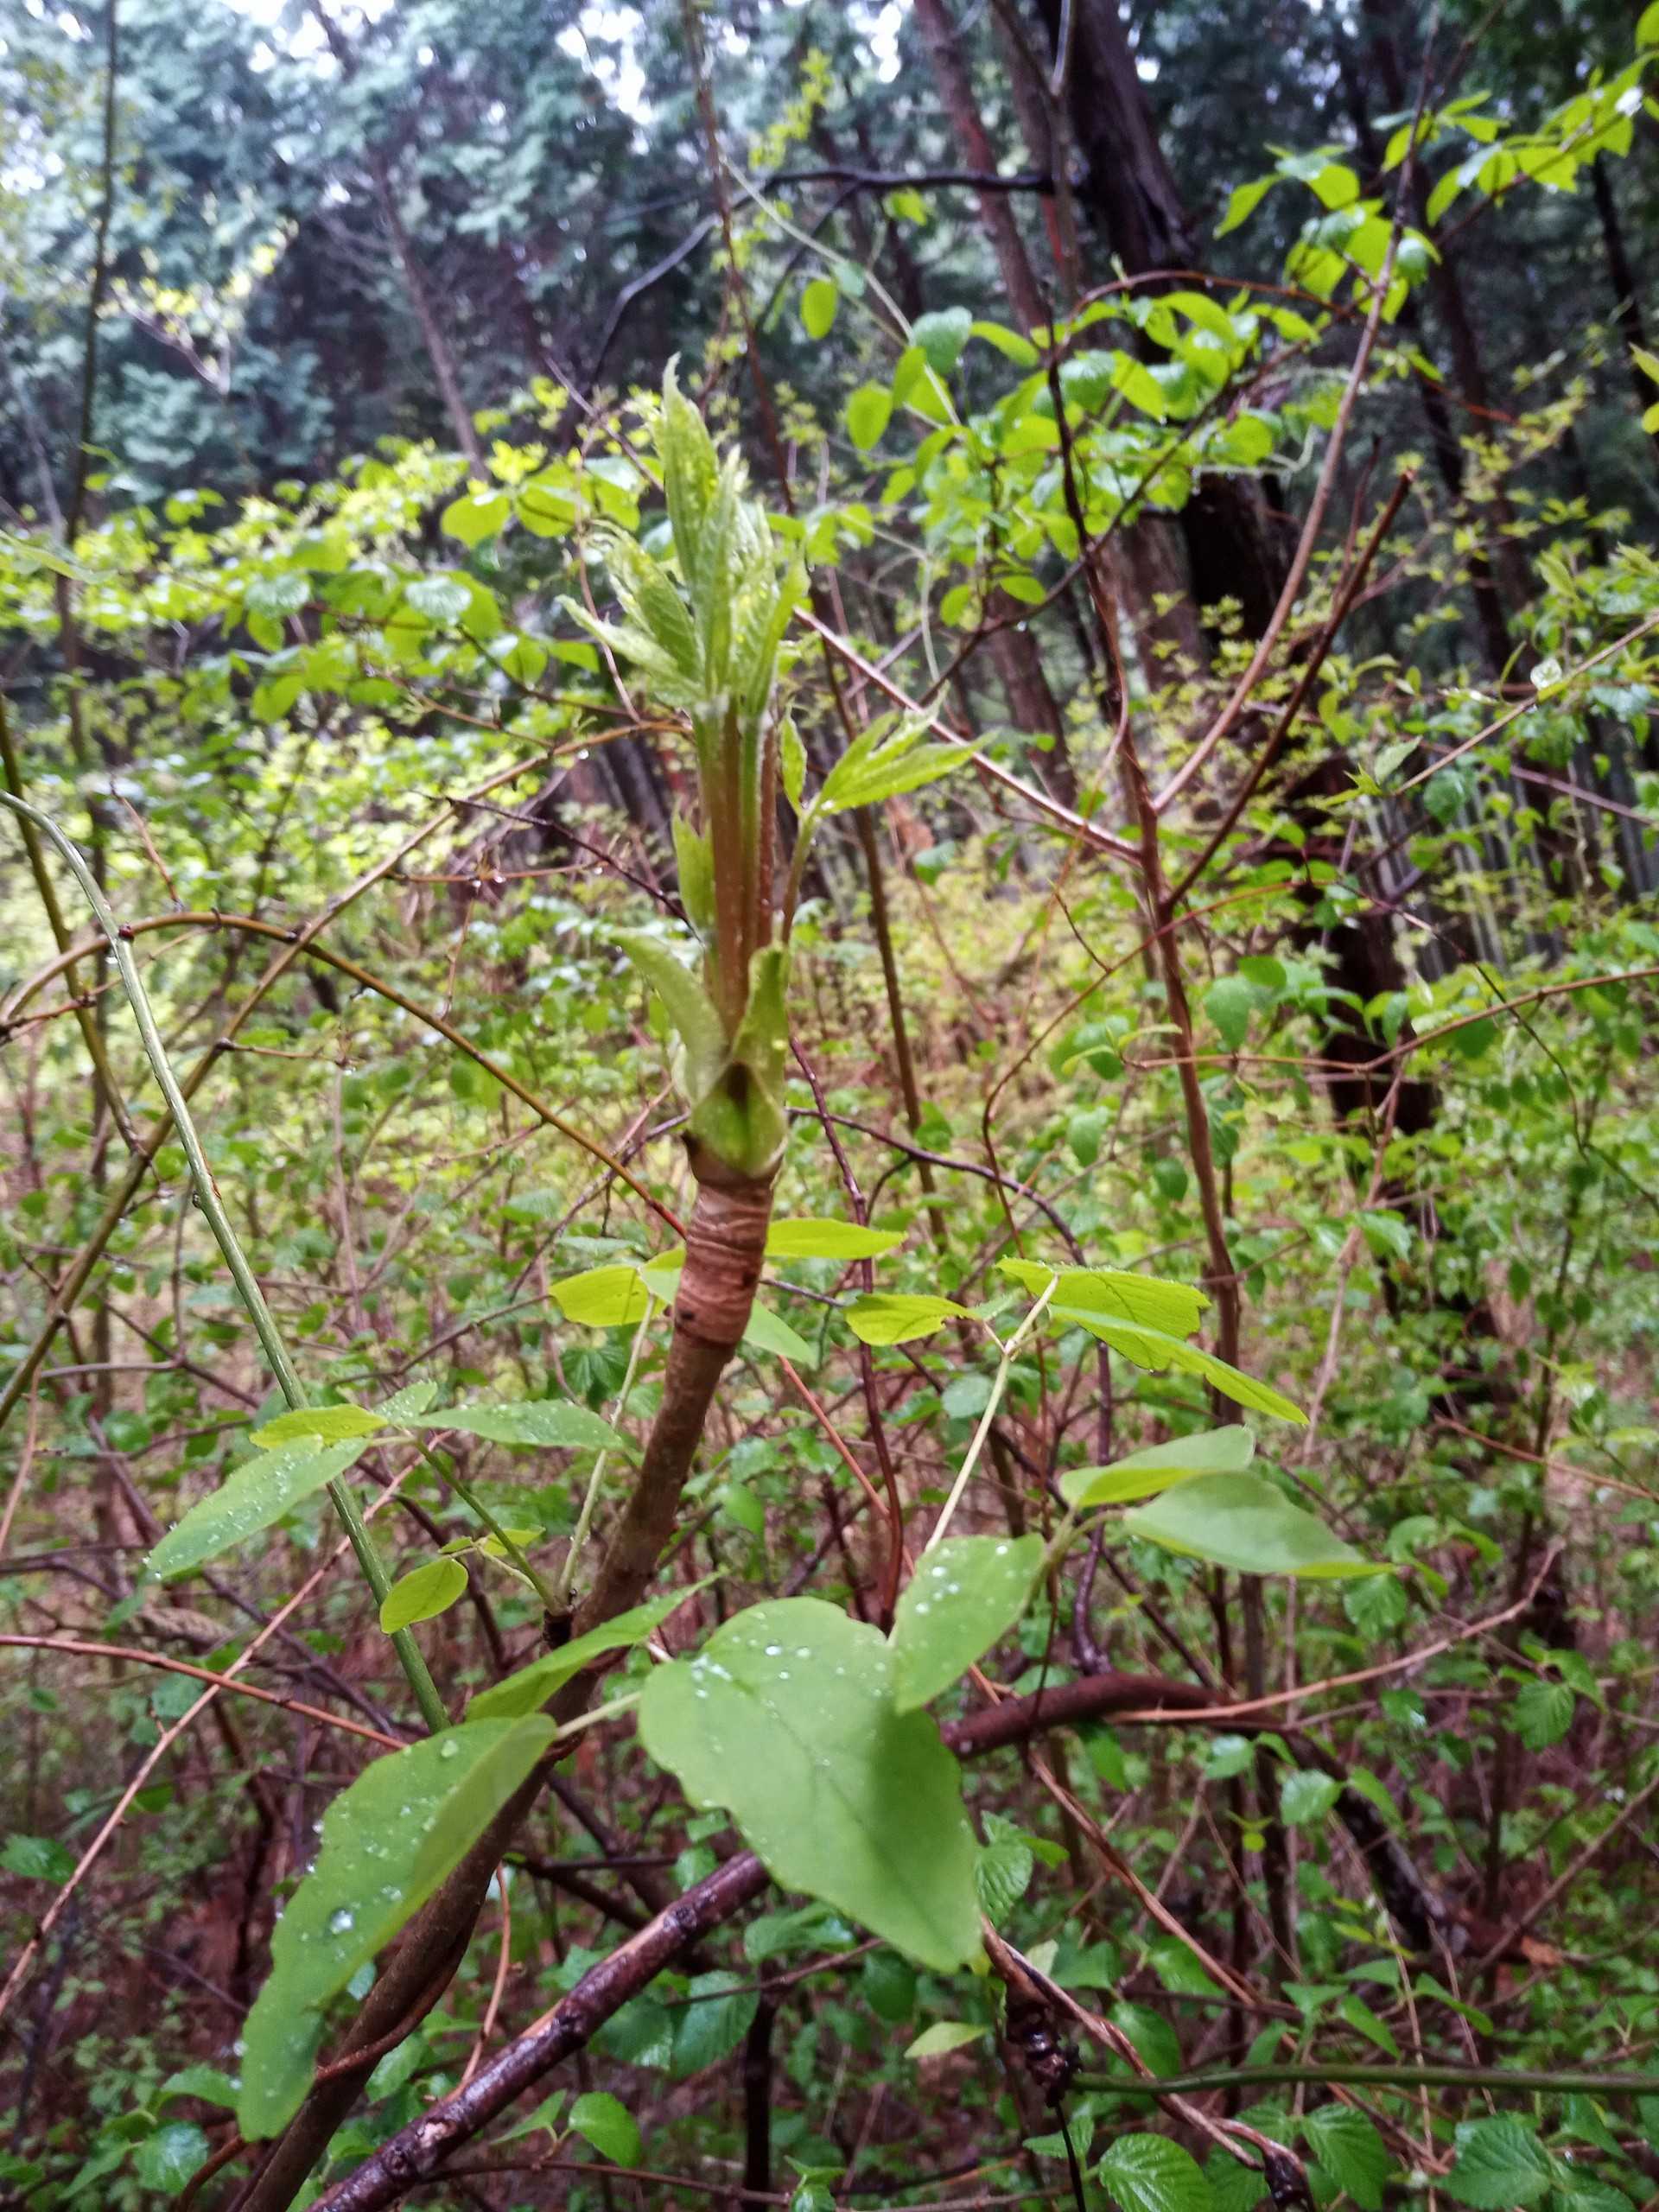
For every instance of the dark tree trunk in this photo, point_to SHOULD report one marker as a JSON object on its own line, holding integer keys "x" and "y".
{"x": 1442, "y": 430}
{"x": 1033, "y": 708}
{"x": 1447, "y": 289}
{"x": 1627, "y": 309}
{"x": 1238, "y": 547}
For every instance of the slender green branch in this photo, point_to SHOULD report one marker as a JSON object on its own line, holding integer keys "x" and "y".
{"x": 1552, "y": 2082}
{"x": 213, "y": 1206}
{"x": 998, "y": 1386}
{"x": 469, "y": 1497}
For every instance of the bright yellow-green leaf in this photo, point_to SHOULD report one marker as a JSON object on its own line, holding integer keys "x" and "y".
{"x": 882, "y": 1317}
{"x": 476, "y": 515}
{"x": 867, "y": 414}
{"x": 323, "y": 1424}
{"x": 819, "y": 304}
{"x": 944, "y": 2037}
{"x": 794, "y": 1239}
{"x": 603, "y": 1298}
{"x": 422, "y": 1593}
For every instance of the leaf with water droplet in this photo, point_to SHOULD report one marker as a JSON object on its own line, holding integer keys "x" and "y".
{"x": 555, "y": 1422}
{"x": 965, "y": 1594}
{"x": 387, "y": 1842}
{"x": 785, "y": 1719}
{"x": 259, "y": 1491}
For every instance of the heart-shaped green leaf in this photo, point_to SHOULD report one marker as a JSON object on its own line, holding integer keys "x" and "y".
{"x": 785, "y": 1719}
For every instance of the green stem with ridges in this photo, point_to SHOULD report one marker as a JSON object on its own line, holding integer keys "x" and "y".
{"x": 213, "y": 1206}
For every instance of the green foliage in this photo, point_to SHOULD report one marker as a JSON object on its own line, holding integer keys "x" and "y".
{"x": 302, "y": 627}
{"x": 387, "y": 1842}
{"x": 787, "y": 1719}
{"x": 966, "y": 1594}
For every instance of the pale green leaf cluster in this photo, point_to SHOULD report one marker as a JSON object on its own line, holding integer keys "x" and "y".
{"x": 708, "y": 641}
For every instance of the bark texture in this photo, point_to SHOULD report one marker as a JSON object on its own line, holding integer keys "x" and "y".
{"x": 726, "y": 1243}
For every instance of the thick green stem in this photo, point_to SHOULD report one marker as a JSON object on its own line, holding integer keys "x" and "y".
{"x": 213, "y": 1206}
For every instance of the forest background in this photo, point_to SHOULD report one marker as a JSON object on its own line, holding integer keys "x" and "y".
{"x": 1141, "y": 723}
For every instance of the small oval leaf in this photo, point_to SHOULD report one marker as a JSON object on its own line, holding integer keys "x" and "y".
{"x": 422, "y": 1593}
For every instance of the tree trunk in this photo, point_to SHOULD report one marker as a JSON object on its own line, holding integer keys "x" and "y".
{"x": 1442, "y": 431}
{"x": 1033, "y": 708}
{"x": 995, "y": 208}
{"x": 1445, "y": 287}
{"x": 1627, "y": 310}
{"x": 433, "y": 336}
{"x": 1236, "y": 546}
